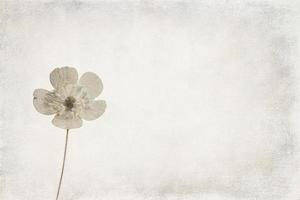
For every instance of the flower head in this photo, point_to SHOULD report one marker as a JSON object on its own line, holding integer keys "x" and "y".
{"x": 70, "y": 101}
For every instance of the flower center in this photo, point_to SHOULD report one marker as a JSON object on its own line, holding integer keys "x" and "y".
{"x": 69, "y": 102}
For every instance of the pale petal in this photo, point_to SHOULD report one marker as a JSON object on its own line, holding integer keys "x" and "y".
{"x": 76, "y": 91}
{"x": 93, "y": 110}
{"x": 42, "y": 103}
{"x": 60, "y": 77}
{"x": 67, "y": 120}
{"x": 66, "y": 90}
{"x": 92, "y": 83}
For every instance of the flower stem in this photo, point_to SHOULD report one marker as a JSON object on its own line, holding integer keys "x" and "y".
{"x": 63, "y": 166}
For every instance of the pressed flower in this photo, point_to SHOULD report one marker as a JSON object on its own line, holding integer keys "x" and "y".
{"x": 71, "y": 101}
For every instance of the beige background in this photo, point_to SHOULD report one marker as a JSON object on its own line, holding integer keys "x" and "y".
{"x": 202, "y": 100}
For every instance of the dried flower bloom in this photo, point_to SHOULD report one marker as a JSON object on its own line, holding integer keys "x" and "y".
{"x": 70, "y": 101}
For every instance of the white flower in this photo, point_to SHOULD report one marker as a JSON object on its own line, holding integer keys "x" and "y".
{"x": 70, "y": 101}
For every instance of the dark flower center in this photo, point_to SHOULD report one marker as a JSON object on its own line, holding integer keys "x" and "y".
{"x": 69, "y": 102}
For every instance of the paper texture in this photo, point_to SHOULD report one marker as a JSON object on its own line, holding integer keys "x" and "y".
{"x": 202, "y": 100}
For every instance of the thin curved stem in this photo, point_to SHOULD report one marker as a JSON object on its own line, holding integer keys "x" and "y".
{"x": 63, "y": 166}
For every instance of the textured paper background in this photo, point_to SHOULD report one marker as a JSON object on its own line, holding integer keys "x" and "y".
{"x": 202, "y": 100}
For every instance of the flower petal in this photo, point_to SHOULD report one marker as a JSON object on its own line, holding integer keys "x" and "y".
{"x": 92, "y": 83}
{"x": 93, "y": 110}
{"x": 42, "y": 103}
{"x": 66, "y": 90}
{"x": 67, "y": 120}
{"x": 60, "y": 77}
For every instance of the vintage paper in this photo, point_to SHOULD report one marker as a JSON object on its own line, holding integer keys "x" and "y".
{"x": 202, "y": 100}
